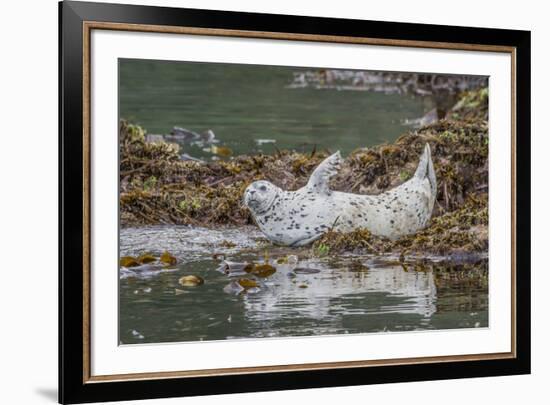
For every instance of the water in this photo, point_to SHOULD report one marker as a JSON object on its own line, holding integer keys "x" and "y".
{"x": 349, "y": 294}
{"x": 250, "y": 106}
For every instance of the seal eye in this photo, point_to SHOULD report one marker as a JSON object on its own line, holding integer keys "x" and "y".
{"x": 263, "y": 188}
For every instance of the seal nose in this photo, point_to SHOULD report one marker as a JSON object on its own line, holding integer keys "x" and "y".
{"x": 252, "y": 191}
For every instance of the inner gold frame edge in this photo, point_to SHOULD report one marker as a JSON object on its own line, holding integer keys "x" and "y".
{"x": 86, "y": 104}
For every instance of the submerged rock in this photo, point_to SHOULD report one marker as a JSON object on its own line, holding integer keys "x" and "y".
{"x": 234, "y": 268}
{"x": 136, "y": 334}
{"x": 242, "y": 286}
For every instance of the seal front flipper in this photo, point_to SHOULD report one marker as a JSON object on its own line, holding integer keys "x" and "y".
{"x": 306, "y": 240}
{"x": 320, "y": 177}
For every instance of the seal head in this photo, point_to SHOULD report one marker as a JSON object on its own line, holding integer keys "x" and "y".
{"x": 260, "y": 195}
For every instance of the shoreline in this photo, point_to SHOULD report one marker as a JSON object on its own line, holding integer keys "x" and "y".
{"x": 157, "y": 187}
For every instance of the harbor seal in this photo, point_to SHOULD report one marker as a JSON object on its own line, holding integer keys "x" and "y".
{"x": 297, "y": 218}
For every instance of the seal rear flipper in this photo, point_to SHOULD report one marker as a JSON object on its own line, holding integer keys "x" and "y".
{"x": 425, "y": 169}
{"x": 320, "y": 177}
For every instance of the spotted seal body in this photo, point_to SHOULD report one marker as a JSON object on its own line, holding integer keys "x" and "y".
{"x": 296, "y": 218}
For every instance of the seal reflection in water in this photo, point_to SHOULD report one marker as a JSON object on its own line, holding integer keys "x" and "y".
{"x": 297, "y": 218}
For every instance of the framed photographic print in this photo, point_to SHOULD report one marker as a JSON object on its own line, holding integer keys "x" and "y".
{"x": 256, "y": 202}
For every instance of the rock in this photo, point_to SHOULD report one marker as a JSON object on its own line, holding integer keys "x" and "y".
{"x": 305, "y": 270}
{"x": 154, "y": 138}
{"x": 429, "y": 118}
{"x": 187, "y": 157}
{"x": 233, "y": 288}
{"x": 187, "y": 136}
{"x": 137, "y": 335}
{"x": 234, "y": 268}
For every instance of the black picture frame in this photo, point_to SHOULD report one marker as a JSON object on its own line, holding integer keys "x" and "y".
{"x": 73, "y": 387}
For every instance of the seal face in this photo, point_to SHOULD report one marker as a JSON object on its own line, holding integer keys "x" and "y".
{"x": 260, "y": 196}
{"x": 296, "y": 218}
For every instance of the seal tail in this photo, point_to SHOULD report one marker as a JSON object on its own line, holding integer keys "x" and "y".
{"x": 425, "y": 169}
